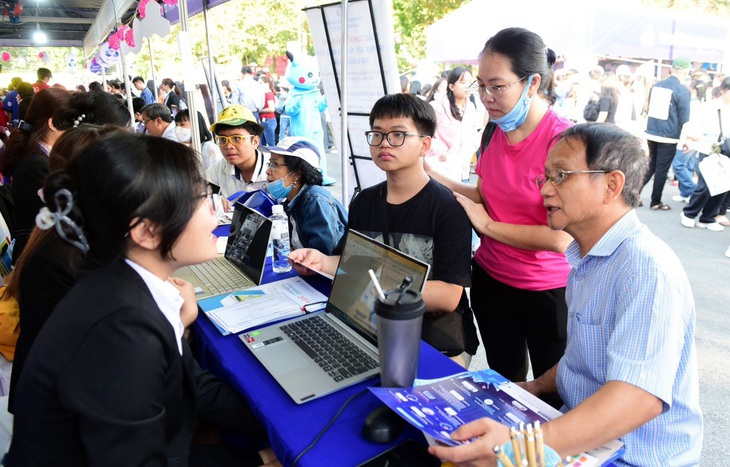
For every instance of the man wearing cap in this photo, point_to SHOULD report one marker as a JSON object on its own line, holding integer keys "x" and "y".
{"x": 243, "y": 167}
{"x": 668, "y": 111}
{"x": 317, "y": 219}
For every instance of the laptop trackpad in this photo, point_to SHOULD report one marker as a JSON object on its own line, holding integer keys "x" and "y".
{"x": 285, "y": 357}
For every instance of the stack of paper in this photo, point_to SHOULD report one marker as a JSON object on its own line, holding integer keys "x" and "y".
{"x": 239, "y": 311}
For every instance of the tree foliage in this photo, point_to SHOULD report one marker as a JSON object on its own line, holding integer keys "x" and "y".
{"x": 412, "y": 17}
{"x": 245, "y": 31}
{"x": 708, "y": 7}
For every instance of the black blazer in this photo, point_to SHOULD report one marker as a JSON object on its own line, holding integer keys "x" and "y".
{"x": 105, "y": 384}
{"x": 28, "y": 178}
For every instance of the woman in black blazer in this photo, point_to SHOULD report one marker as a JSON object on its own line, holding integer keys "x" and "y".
{"x": 110, "y": 380}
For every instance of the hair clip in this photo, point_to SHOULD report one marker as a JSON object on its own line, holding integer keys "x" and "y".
{"x": 45, "y": 219}
{"x": 78, "y": 120}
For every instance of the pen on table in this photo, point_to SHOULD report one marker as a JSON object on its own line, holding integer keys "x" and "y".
{"x": 530, "y": 447}
{"x": 515, "y": 445}
{"x": 502, "y": 457}
{"x": 540, "y": 445}
{"x": 376, "y": 284}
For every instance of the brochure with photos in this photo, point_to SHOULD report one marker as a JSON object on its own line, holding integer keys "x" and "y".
{"x": 438, "y": 407}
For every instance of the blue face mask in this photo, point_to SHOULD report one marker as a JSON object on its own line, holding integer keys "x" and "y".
{"x": 516, "y": 117}
{"x": 277, "y": 189}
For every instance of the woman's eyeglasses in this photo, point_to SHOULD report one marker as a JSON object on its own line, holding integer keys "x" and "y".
{"x": 274, "y": 165}
{"x": 214, "y": 202}
{"x": 494, "y": 91}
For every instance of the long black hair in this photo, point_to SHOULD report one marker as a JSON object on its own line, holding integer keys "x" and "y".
{"x": 454, "y": 76}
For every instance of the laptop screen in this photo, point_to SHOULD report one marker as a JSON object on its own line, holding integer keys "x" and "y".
{"x": 248, "y": 241}
{"x": 353, "y": 295}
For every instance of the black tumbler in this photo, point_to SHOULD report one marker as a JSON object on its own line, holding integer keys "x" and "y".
{"x": 399, "y": 321}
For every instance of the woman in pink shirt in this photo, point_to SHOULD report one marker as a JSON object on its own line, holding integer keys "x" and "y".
{"x": 519, "y": 272}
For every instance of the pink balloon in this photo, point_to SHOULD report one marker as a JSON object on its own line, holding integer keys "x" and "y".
{"x": 129, "y": 37}
{"x": 6, "y": 57}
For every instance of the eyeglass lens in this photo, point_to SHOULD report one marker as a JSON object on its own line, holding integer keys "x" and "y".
{"x": 394, "y": 138}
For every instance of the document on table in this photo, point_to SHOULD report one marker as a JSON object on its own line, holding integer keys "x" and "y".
{"x": 438, "y": 407}
{"x": 239, "y": 311}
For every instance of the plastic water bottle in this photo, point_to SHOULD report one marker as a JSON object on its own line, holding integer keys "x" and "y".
{"x": 280, "y": 239}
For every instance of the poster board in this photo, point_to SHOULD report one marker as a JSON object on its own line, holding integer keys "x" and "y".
{"x": 372, "y": 72}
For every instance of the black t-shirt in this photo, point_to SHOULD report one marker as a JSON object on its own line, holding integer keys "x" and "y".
{"x": 432, "y": 226}
{"x": 608, "y": 104}
{"x": 171, "y": 100}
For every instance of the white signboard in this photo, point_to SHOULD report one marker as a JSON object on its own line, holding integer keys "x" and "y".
{"x": 372, "y": 72}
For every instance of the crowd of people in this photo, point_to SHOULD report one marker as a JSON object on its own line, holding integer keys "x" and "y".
{"x": 565, "y": 280}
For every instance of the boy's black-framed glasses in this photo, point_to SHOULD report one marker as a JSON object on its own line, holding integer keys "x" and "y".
{"x": 394, "y": 138}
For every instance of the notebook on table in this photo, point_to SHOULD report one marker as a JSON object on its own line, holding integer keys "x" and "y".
{"x": 335, "y": 348}
{"x": 242, "y": 265}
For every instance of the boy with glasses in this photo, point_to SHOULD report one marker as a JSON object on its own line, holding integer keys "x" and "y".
{"x": 243, "y": 167}
{"x": 418, "y": 216}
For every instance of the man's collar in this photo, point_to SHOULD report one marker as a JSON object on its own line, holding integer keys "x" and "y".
{"x": 609, "y": 242}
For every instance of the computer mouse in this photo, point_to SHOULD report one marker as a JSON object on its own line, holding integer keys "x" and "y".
{"x": 382, "y": 425}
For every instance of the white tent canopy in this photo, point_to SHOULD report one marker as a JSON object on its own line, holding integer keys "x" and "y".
{"x": 570, "y": 27}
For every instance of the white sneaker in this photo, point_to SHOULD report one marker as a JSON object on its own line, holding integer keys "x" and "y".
{"x": 727, "y": 252}
{"x": 686, "y": 221}
{"x": 714, "y": 226}
{"x": 680, "y": 198}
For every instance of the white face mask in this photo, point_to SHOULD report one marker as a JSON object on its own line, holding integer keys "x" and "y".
{"x": 184, "y": 135}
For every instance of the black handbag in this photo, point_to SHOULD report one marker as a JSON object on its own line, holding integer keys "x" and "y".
{"x": 445, "y": 332}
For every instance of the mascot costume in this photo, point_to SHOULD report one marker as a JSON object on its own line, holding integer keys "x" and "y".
{"x": 304, "y": 104}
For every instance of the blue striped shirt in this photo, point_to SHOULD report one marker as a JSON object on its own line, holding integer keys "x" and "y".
{"x": 147, "y": 96}
{"x": 631, "y": 318}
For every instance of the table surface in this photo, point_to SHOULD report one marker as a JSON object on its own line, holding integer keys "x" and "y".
{"x": 293, "y": 427}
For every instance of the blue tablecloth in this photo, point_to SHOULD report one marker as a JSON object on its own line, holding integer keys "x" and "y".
{"x": 292, "y": 427}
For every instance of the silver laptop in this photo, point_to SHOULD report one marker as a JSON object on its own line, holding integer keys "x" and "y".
{"x": 242, "y": 266}
{"x": 309, "y": 356}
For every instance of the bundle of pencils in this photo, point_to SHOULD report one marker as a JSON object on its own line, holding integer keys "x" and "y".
{"x": 528, "y": 448}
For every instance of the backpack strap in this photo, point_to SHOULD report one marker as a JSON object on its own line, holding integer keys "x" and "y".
{"x": 486, "y": 137}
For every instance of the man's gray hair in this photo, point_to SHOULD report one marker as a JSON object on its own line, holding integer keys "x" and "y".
{"x": 608, "y": 147}
{"x": 157, "y": 110}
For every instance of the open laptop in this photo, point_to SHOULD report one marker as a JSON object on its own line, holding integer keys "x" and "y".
{"x": 346, "y": 326}
{"x": 242, "y": 266}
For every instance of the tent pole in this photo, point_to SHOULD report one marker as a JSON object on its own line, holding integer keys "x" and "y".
{"x": 213, "y": 78}
{"x": 152, "y": 69}
{"x": 186, "y": 58}
{"x": 125, "y": 75}
{"x": 345, "y": 146}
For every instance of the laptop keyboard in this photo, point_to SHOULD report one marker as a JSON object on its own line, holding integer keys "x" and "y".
{"x": 330, "y": 349}
{"x": 219, "y": 276}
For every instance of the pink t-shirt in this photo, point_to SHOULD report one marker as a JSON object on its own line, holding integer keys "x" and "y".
{"x": 508, "y": 186}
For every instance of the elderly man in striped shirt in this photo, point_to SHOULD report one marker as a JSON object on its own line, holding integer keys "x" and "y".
{"x": 630, "y": 366}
